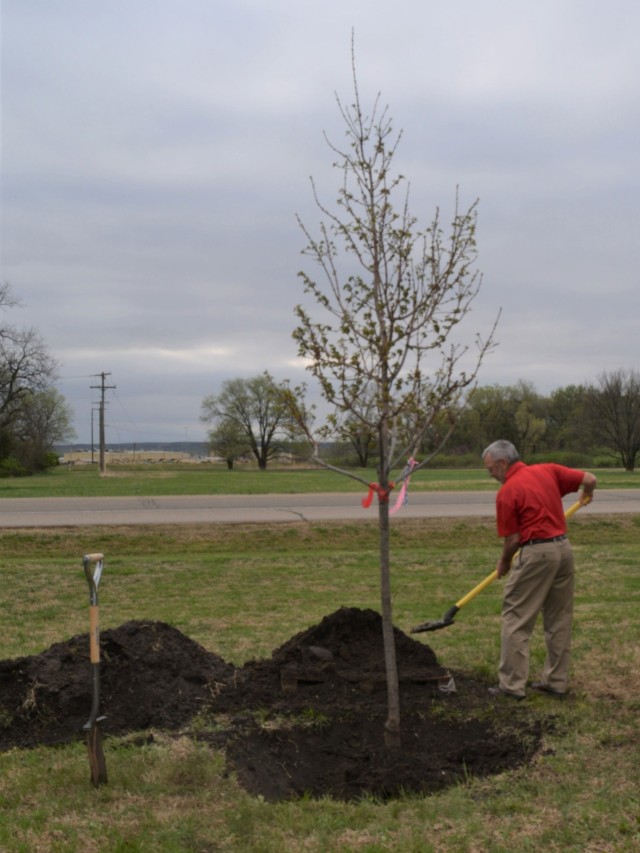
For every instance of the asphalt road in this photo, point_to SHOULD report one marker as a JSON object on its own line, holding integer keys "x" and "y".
{"x": 236, "y": 509}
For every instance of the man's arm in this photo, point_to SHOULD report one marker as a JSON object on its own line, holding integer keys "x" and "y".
{"x": 588, "y": 484}
{"x": 509, "y": 547}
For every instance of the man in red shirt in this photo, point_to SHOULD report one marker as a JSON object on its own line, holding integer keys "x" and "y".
{"x": 531, "y": 520}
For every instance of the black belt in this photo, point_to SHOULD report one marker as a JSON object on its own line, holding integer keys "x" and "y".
{"x": 543, "y": 541}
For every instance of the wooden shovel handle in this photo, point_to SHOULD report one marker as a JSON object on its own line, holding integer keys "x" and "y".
{"x": 94, "y": 634}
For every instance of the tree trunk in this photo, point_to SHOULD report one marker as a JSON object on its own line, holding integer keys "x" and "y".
{"x": 392, "y": 737}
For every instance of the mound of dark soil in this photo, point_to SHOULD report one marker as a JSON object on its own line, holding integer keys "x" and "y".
{"x": 151, "y": 676}
{"x": 308, "y": 720}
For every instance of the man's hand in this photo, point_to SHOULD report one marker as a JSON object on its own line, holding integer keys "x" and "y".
{"x": 589, "y": 483}
{"x": 509, "y": 548}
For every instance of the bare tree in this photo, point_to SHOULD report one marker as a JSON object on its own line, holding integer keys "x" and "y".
{"x": 382, "y": 346}
{"x": 27, "y": 370}
{"x": 25, "y": 367}
{"x": 614, "y": 411}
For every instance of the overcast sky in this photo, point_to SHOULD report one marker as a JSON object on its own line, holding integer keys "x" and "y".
{"x": 155, "y": 154}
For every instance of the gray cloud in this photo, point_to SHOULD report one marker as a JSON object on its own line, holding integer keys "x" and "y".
{"x": 155, "y": 155}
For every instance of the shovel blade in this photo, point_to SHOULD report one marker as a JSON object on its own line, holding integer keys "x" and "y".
{"x": 96, "y": 756}
{"x": 431, "y": 626}
{"x": 443, "y": 622}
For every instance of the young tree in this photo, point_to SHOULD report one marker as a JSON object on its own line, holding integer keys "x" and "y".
{"x": 382, "y": 347}
{"x": 227, "y": 439}
{"x": 255, "y": 409}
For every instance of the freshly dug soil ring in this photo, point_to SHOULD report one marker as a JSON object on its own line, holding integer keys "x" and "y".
{"x": 319, "y": 730}
{"x": 307, "y": 721}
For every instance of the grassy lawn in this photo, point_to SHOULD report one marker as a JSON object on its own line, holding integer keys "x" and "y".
{"x": 186, "y": 479}
{"x": 241, "y": 591}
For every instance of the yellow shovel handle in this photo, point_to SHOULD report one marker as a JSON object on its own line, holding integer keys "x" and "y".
{"x": 494, "y": 574}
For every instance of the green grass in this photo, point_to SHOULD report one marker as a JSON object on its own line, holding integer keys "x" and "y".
{"x": 243, "y": 590}
{"x": 192, "y": 479}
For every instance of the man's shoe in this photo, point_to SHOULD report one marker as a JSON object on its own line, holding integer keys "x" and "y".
{"x": 544, "y": 688}
{"x": 498, "y": 691}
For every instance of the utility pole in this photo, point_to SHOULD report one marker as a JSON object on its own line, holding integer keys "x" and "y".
{"x": 102, "y": 388}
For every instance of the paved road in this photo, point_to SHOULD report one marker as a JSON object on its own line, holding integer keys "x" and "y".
{"x": 217, "y": 509}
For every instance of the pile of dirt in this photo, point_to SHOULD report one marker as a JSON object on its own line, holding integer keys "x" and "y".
{"x": 151, "y": 676}
{"x": 307, "y": 721}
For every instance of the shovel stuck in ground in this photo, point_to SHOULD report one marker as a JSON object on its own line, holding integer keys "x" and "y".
{"x": 448, "y": 618}
{"x": 93, "y": 569}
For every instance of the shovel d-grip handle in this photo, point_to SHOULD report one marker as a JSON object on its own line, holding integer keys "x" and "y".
{"x": 93, "y": 571}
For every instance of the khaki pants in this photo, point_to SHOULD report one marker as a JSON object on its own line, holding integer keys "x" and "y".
{"x": 541, "y": 579}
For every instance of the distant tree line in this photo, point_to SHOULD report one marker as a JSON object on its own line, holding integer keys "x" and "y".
{"x": 596, "y": 423}
{"x": 33, "y": 414}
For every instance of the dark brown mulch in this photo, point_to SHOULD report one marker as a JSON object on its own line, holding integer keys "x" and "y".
{"x": 308, "y": 720}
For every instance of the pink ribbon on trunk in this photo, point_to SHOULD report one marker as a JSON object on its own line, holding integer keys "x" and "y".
{"x": 402, "y": 494}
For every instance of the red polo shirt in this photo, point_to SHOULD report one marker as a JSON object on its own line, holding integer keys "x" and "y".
{"x": 529, "y": 502}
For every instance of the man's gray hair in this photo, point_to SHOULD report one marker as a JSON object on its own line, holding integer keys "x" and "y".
{"x": 502, "y": 449}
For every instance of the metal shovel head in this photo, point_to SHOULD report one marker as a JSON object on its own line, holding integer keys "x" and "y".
{"x": 434, "y": 625}
{"x": 97, "y": 761}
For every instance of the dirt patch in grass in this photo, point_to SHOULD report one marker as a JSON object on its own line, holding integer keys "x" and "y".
{"x": 309, "y": 720}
